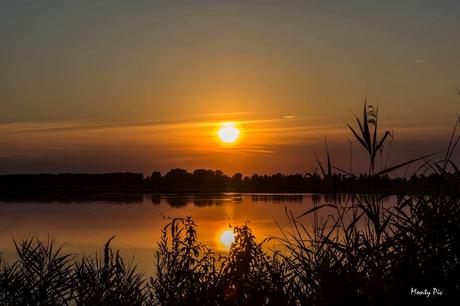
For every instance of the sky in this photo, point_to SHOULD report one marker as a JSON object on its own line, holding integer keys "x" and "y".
{"x": 104, "y": 86}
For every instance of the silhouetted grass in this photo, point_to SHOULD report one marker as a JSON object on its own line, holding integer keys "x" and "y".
{"x": 42, "y": 275}
{"x": 107, "y": 281}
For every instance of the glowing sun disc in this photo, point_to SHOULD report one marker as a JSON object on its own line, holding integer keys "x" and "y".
{"x": 228, "y": 133}
{"x": 227, "y": 238}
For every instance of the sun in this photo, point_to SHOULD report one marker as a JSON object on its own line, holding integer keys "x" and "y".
{"x": 227, "y": 238}
{"x": 228, "y": 132}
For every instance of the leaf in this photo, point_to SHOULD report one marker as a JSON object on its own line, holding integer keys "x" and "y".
{"x": 329, "y": 168}
{"x": 312, "y": 210}
{"x": 319, "y": 163}
{"x": 358, "y": 137}
{"x": 395, "y": 167}
{"x": 366, "y": 135}
{"x": 377, "y": 148}
{"x": 454, "y": 166}
{"x": 453, "y": 148}
{"x": 450, "y": 143}
{"x": 375, "y": 129}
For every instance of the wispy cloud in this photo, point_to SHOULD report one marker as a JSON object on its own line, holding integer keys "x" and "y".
{"x": 170, "y": 123}
{"x": 260, "y": 151}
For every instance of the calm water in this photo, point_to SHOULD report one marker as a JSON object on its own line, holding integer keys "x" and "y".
{"x": 82, "y": 226}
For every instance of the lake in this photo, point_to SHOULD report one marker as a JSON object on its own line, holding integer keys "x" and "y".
{"x": 83, "y": 225}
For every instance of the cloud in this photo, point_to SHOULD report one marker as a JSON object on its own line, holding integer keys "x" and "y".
{"x": 259, "y": 151}
{"x": 418, "y": 61}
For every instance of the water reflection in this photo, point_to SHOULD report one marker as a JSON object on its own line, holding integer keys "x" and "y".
{"x": 197, "y": 200}
{"x": 83, "y": 225}
{"x": 277, "y": 198}
{"x": 343, "y": 199}
{"x": 219, "y": 199}
{"x": 173, "y": 200}
{"x": 108, "y": 198}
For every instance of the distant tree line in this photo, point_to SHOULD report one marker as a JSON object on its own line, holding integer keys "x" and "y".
{"x": 203, "y": 180}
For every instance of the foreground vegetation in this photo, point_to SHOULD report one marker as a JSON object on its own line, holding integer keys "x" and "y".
{"x": 363, "y": 253}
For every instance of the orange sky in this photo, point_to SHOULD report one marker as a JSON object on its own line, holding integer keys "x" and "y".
{"x": 265, "y": 145}
{"x": 141, "y": 86}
